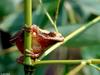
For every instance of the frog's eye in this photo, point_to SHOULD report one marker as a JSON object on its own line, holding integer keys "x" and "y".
{"x": 52, "y": 34}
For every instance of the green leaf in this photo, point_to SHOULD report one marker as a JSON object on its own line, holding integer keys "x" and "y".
{"x": 91, "y": 52}
{"x": 12, "y": 23}
{"x": 6, "y": 7}
{"x": 90, "y": 6}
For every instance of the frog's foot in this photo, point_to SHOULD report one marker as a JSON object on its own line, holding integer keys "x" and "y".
{"x": 32, "y": 54}
{"x": 29, "y": 53}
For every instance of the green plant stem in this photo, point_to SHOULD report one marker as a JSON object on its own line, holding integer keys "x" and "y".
{"x": 95, "y": 61}
{"x": 68, "y": 37}
{"x": 96, "y": 67}
{"x": 57, "y": 62}
{"x": 44, "y": 62}
{"x": 77, "y": 69}
{"x": 28, "y": 23}
{"x": 57, "y": 11}
{"x": 27, "y": 37}
{"x": 49, "y": 17}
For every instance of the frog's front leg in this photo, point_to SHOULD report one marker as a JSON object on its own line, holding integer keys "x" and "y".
{"x": 29, "y": 53}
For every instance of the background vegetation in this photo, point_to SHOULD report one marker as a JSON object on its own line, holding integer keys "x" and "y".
{"x": 72, "y": 14}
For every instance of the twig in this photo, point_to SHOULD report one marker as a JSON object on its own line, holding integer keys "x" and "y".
{"x": 57, "y": 11}
{"x": 44, "y": 62}
{"x": 77, "y": 69}
{"x": 49, "y": 17}
{"x": 96, "y": 67}
{"x": 68, "y": 37}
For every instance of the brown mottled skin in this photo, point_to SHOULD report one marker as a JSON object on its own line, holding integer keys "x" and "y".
{"x": 41, "y": 40}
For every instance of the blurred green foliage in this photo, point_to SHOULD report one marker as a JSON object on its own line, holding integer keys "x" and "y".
{"x": 6, "y": 7}
{"x": 72, "y": 14}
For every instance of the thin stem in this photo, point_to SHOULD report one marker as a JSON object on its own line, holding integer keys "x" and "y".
{"x": 77, "y": 69}
{"x": 49, "y": 17}
{"x": 57, "y": 62}
{"x": 44, "y": 62}
{"x": 96, "y": 67}
{"x": 57, "y": 11}
{"x": 68, "y": 37}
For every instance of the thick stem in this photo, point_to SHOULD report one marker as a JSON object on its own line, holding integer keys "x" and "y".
{"x": 27, "y": 37}
{"x": 28, "y": 23}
